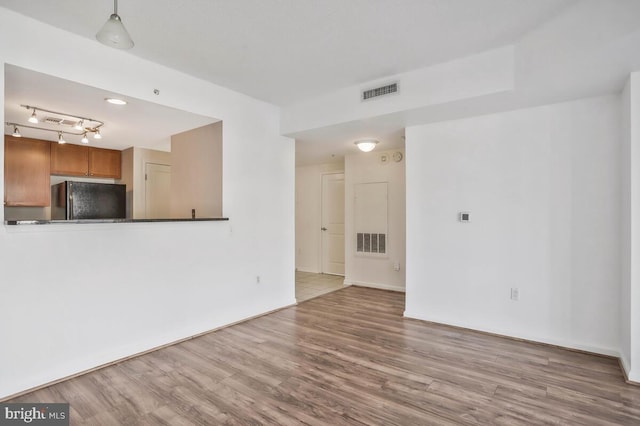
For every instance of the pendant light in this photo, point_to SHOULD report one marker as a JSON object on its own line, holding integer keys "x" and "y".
{"x": 79, "y": 125}
{"x": 61, "y": 138}
{"x": 84, "y": 139}
{"x": 113, "y": 32}
{"x": 97, "y": 134}
{"x": 16, "y": 132}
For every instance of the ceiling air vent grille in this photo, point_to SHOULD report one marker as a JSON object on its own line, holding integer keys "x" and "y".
{"x": 380, "y": 91}
{"x": 59, "y": 121}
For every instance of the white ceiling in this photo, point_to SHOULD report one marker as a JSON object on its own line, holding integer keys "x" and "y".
{"x": 289, "y": 51}
{"x": 139, "y": 123}
{"x": 284, "y": 51}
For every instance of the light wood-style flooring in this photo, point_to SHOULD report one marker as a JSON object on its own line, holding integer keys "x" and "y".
{"x": 310, "y": 285}
{"x": 349, "y": 357}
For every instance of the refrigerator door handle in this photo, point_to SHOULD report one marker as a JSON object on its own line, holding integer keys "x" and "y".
{"x": 70, "y": 195}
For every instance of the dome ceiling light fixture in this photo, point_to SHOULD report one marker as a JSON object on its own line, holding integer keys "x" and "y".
{"x": 113, "y": 33}
{"x": 366, "y": 145}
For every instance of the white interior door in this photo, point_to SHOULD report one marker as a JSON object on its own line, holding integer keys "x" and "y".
{"x": 157, "y": 189}
{"x": 333, "y": 224}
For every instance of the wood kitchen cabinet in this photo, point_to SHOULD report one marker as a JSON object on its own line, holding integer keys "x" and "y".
{"x": 26, "y": 172}
{"x": 105, "y": 163}
{"x": 69, "y": 160}
{"x": 79, "y": 160}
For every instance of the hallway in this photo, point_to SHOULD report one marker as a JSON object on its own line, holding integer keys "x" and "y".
{"x": 310, "y": 285}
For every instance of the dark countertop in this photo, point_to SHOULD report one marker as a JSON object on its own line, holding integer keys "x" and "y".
{"x": 83, "y": 221}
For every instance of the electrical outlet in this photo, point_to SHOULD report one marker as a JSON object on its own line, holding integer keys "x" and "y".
{"x": 515, "y": 293}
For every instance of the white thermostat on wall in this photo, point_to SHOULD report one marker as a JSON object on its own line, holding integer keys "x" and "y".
{"x": 464, "y": 216}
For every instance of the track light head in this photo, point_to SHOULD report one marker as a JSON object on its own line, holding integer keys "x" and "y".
{"x": 34, "y": 118}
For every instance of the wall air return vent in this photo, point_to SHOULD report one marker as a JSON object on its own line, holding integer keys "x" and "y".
{"x": 380, "y": 91}
{"x": 371, "y": 243}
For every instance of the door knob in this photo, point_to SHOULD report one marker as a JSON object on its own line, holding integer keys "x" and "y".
{"x": 323, "y": 228}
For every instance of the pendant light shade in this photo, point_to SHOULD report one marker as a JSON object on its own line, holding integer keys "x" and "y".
{"x": 113, "y": 32}
{"x": 16, "y": 132}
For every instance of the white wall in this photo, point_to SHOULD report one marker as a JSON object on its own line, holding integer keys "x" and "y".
{"x": 542, "y": 187}
{"x": 74, "y": 297}
{"x": 484, "y": 74}
{"x": 375, "y": 270}
{"x": 630, "y": 229}
{"x": 309, "y": 214}
{"x": 625, "y": 229}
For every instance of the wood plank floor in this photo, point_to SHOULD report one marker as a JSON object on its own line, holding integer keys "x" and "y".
{"x": 350, "y": 358}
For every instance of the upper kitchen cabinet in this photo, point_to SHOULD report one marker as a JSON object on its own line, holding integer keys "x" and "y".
{"x": 105, "y": 163}
{"x": 26, "y": 172}
{"x": 79, "y": 160}
{"x": 69, "y": 160}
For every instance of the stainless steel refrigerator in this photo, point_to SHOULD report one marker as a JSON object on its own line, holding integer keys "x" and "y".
{"x": 87, "y": 200}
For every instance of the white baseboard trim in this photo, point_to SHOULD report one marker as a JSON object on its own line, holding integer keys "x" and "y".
{"x": 305, "y": 269}
{"x": 348, "y": 282}
{"x": 533, "y": 339}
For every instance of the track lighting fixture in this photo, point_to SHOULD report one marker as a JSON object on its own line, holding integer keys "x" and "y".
{"x": 59, "y": 120}
{"x": 113, "y": 32}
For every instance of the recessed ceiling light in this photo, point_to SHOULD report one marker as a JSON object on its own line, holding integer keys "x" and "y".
{"x": 116, "y": 101}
